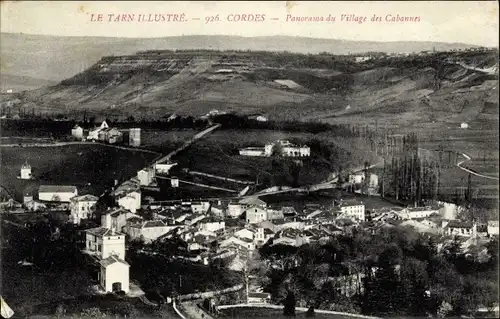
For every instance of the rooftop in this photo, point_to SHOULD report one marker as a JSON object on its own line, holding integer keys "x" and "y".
{"x": 57, "y": 189}
{"x": 102, "y": 231}
{"x": 85, "y": 198}
{"x": 111, "y": 260}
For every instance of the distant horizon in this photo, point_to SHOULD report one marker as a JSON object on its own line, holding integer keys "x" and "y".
{"x": 244, "y": 36}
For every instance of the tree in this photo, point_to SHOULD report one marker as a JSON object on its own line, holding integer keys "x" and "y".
{"x": 289, "y": 303}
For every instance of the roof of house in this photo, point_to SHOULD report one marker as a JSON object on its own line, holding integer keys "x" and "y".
{"x": 252, "y": 201}
{"x": 57, "y": 189}
{"x": 458, "y": 224}
{"x": 111, "y": 260}
{"x": 85, "y": 198}
{"x": 351, "y": 202}
{"x": 102, "y": 231}
{"x": 153, "y": 223}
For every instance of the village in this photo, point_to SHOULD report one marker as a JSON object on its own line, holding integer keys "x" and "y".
{"x": 228, "y": 230}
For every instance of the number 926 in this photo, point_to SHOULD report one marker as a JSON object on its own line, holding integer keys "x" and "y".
{"x": 210, "y": 19}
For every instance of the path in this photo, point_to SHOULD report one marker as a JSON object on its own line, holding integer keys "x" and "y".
{"x": 59, "y": 144}
{"x": 221, "y": 178}
{"x": 200, "y": 185}
{"x": 186, "y": 144}
{"x": 468, "y": 158}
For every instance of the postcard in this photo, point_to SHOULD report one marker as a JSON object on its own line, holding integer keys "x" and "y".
{"x": 249, "y": 159}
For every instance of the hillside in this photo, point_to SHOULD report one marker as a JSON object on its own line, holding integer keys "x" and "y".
{"x": 21, "y": 83}
{"x": 56, "y": 58}
{"x": 396, "y": 91}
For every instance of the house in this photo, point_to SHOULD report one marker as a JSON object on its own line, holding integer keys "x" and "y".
{"x": 252, "y": 201}
{"x": 94, "y": 133}
{"x": 262, "y": 236}
{"x": 252, "y": 151}
{"x": 259, "y": 298}
{"x": 130, "y": 201}
{"x": 420, "y": 212}
{"x": 243, "y": 243}
{"x": 248, "y": 233}
{"x": 352, "y": 209}
{"x": 117, "y": 218}
{"x": 114, "y": 274}
{"x": 57, "y": 193}
{"x": 81, "y": 207}
{"x": 287, "y": 149}
{"x": 146, "y": 176}
{"x": 211, "y": 224}
{"x": 290, "y": 237}
{"x": 273, "y": 214}
{"x": 360, "y": 59}
{"x": 200, "y": 207}
{"x": 77, "y": 132}
{"x": 258, "y": 118}
{"x": 26, "y": 171}
{"x": 255, "y": 215}
{"x": 148, "y": 230}
{"x": 234, "y": 210}
{"x": 357, "y": 178}
{"x": 104, "y": 243}
{"x": 464, "y": 125}
{"x": 492, "y": 228}
{"x": 459, "y": 228}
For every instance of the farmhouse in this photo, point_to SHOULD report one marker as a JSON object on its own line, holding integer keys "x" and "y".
{"x": 286, "y": 148}
{"x": 282, "y": 147}
{"x": 81, "y": 207}
{"x": 26, "y": 171}
{"x": 77, "y": 132}
{"x": 94, "y": 133}
{"x": 459, "y": 228}
{"x": 57, "y": 193}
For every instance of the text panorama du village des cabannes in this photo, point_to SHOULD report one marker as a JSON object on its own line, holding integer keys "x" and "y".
{"x": 249, "y": 18}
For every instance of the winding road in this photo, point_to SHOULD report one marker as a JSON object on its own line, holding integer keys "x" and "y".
{"x": 468, "y": 158}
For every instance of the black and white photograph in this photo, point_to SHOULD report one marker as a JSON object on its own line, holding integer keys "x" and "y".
{"x": 249, "y": 159}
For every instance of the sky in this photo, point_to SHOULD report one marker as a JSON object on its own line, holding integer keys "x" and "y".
{"x": 470, "y": 22}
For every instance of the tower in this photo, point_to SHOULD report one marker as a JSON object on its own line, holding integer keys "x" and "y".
{"x": 135, "y": 137}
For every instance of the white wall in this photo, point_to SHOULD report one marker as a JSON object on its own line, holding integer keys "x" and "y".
{"x": 131, "y": 201}
{"x": 113, "y": 245}
{"x": 63, "y": 196}
{"x": 117, "y": 272}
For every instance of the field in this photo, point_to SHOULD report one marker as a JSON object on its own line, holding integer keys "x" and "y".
{"x": 91, "y": 168}
{"x": 218, "y": 154}
{"x": 258, "y": 313}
